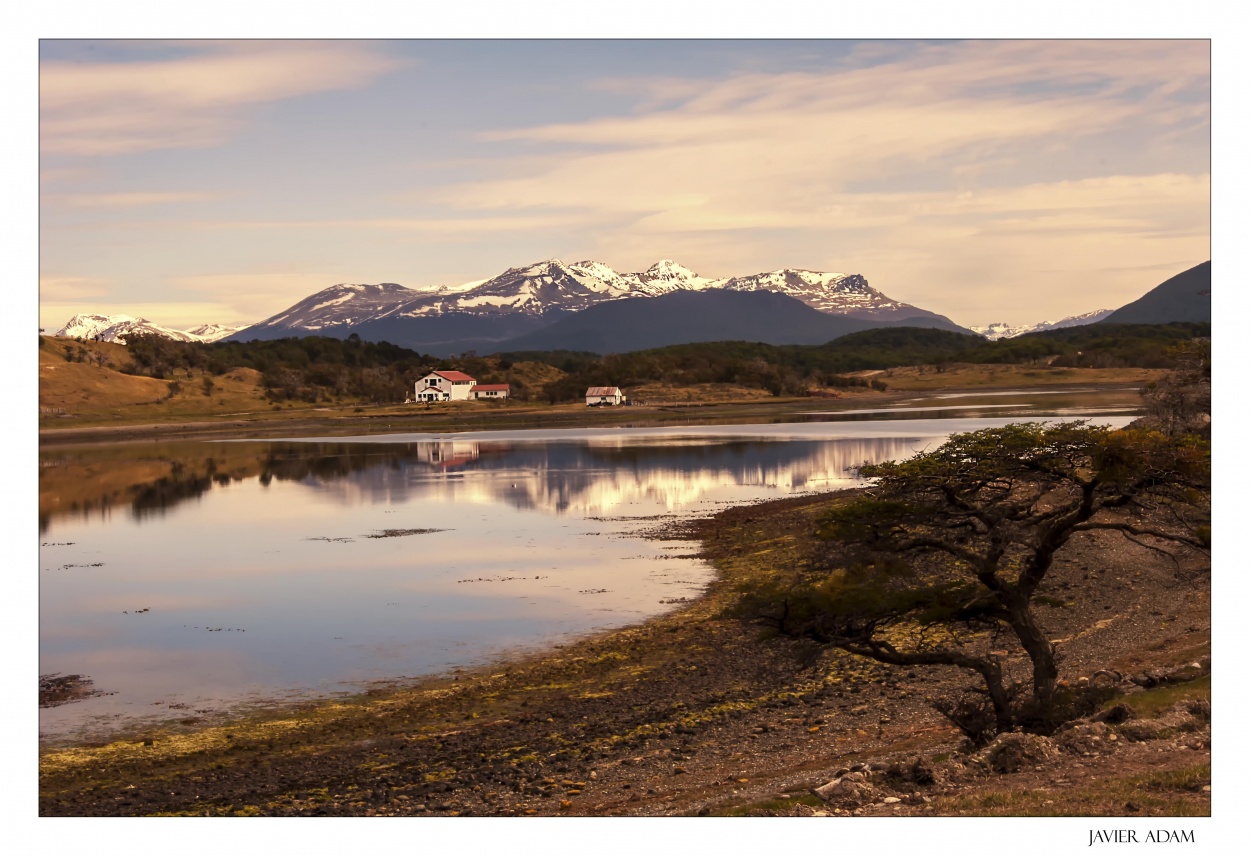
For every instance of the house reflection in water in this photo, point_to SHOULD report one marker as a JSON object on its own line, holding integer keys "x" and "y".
{"x": 446, "y": 455}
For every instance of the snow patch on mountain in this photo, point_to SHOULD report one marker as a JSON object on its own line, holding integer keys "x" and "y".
{"x": 341, "y": 305}
{"x": 116, "y": 328}
{"x": 1003, "y": 330}
{"x": 213, "y": 332}
{"x": 555, "y": 285}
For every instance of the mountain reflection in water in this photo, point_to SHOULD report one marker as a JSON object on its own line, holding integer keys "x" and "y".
{"x": 257, "y": 570}
{"x": 601, "y": 479}
{"x": 592, "y": 477}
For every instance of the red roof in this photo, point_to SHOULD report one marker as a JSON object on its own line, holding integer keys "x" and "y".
{"x": 490, "y": 387}
{"x": 603, "y": 391}
{"x": 454, "y": 376}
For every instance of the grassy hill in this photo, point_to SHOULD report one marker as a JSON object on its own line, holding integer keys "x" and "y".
{"x": 84, "y": 381}
{"x": 94, "y": 383}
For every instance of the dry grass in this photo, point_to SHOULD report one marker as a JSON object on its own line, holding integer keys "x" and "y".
{"x": 1007, "y": 376}
{"x": 1174, "y": 792}
{"x": 659, "y": 394}
{"x": 97, "y": 393}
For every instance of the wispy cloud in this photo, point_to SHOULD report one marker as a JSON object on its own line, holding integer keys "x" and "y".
{"x": 125, "y": 199}
{"x": 111, "y": 108}
{"x": 54, "y": 288}
{"x": 915, "y": 168}
{"x": 764, "y": 150}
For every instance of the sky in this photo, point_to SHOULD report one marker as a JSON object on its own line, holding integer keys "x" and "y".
{"x": 221, "y": 181}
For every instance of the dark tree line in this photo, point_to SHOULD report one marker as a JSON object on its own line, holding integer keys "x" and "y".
{"x": 312, "y": 368}
{"x": 794, "y": 369}
{"x": 316, "y": 368}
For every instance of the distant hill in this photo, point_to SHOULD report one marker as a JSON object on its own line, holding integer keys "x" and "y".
{"x": 1184, "y": 297}
{"x": 886, "y": 347}
{"x": 714, "y": 315}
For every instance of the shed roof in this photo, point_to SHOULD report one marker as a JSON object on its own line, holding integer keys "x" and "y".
{"x": 603, "y": 390}
{"x": 490, "y": 387}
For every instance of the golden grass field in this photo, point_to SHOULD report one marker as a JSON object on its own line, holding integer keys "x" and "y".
{"x": 965, "y": 376}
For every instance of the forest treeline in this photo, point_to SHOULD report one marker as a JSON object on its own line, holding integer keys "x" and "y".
{"x": 794, "y": 369}
{"x": 319, "y": 368}
{"x": 312, "y": 368}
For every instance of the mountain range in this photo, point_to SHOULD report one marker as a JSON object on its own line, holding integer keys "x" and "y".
{"x": 588, "y": 305}
{"x": 506, "y": 312}
{"x": 1002, "y": 330}
{"x": 115, "y": 328}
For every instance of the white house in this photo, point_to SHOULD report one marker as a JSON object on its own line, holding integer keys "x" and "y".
{"x": 609, "y": 395}
{"x": 490, "y": 391}
{"x": 445, "y": 386}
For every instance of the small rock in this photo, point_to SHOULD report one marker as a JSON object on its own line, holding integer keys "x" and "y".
{"x": 852, "y": 786}
{"x": 892, "y": 800}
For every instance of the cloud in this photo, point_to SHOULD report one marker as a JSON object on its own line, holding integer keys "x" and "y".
{"x": 112, "y": 108}
{"x": 125, "y": 199}
{"x": 72, "y": 287}
{"x": 916, "y": 167}
{"x": 761, "y": 150}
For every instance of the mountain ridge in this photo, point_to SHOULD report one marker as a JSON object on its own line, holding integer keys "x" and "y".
{"x": 115, "y": 328}
{"x": 525, "y": 298}
{"x": 1001, "y": 330}
{"x": 1183, "y": 297}
{"x": 684, "y": 316}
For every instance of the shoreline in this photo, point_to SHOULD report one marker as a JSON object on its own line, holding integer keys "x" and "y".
{"x": 378, "y": 419}
{"x": 685, "y": 713}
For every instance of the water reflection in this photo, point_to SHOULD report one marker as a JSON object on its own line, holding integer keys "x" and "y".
{"x": 246, "y": 570}
{"x": 595, "y": 479}
{"x": 593, "y": 476}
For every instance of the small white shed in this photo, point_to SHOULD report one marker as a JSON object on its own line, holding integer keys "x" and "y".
{"x": 604, "y": 395}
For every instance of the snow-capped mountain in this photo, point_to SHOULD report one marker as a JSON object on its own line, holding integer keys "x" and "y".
{"x": 517, "y": 301}
{"x": 835, "y": 293}
{"x": 115, "y": 328}
{"x": 553, "y": 287}
{"x": 1002, "y": 330}
{"x": 213, "y": 332}
{"x": 340, "y": 305}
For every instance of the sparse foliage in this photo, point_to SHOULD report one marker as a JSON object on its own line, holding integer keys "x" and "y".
{"x": 940, "y": 562}
{"x": 1180, "y": 402}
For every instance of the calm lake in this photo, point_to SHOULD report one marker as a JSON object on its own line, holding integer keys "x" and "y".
{"x": 195, "y": 578}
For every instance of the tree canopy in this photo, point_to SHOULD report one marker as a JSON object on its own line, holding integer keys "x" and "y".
{"x": 939, "y": 562}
